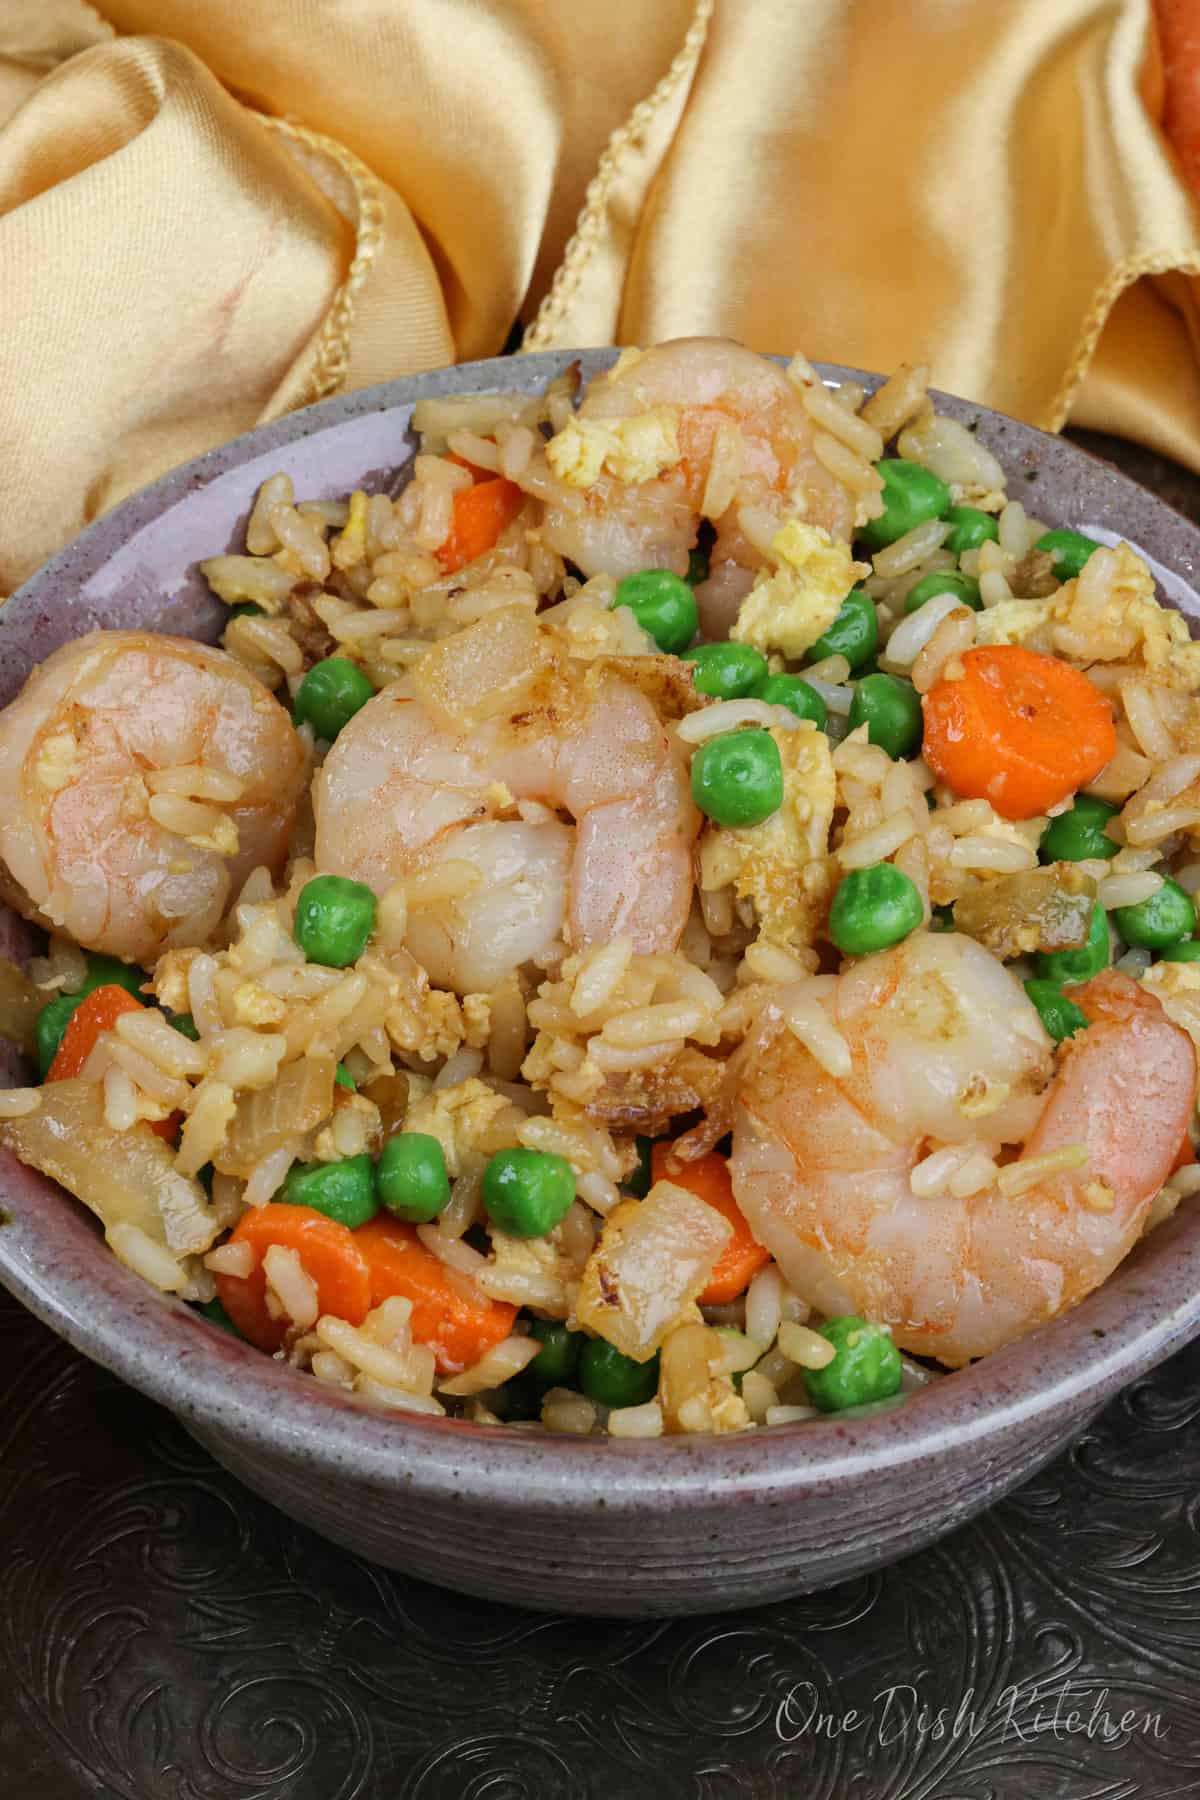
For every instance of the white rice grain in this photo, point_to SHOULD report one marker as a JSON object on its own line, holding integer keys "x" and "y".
{"x": 131, "y": 1246}
{"x": 600, "y": 975}
{"x": 804, "y": 1347}
{"x": 913, "y": 633}
{"x": 292, "y": 1285}
{"x": 499, "y": 1365}
{"x": 878, "y": 844}
{"x": 907, "y": 551}
{"x": 267, "y": 1176}
{"x": 726, "y": 715}
{"x": 120, "y": 1100}
{"x": 645, "y": 1421}
{"x": 807, "y": 1019}
{"x": 789, "y": 1415}
{"x": 232, "y": 1259}
{"x": 568, "y": 1412}
{"x": 1127, "y": 890}
{"x": 18, "y": 1103}
{"x": 397, "y": 1398}
{"x": 764, "y": 1305}
{"x": 1031, "y": 1171}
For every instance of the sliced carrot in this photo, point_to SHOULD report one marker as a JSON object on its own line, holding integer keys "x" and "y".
{"x": 328, "y": 1254}
{"x": 708, "y": 1179}
{"x": 480, "y": 515}
{"x": 1019, "y": 729}
{"x": 458, "y": 1330}
{"x": 98, "y": 1012}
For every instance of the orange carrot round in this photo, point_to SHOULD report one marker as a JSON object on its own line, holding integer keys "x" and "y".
{"x": 480, "y": 514}
{"x": 458, "y": 1330}
{"x": 1019, "y": 729}
{"x": 708, "y": 1179}
{"x": 328, "y": 1254}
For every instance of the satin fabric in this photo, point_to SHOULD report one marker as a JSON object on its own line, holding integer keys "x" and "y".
{"x": 212, "y": 212}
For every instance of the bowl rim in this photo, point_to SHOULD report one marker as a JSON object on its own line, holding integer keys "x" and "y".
{"x": 55, "y": 1263}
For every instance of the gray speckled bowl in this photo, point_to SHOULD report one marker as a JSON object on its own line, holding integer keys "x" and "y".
{"x": 673, "y": 1526}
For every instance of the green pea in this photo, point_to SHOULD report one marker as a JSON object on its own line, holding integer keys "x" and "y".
{"x": 1160, "y": 921}
{"x": 1077, "y": 965}
{"x": 854, "y": 634}
{"x": 344, "y": 1078}
{"x": 330, "y": 695}
{"x": 334, "y": 919}
{"x": 612, "y": 1379}
{"x": 891, "y": 711}
{"x": 527, "y": 1192}
{"x": 970, "y": 529}
{"x": 911, "y": 494}
{"x": 343, "y": 1191}
{"x": 107, "y": 971}
{"x": 873, "y": 908}
{"x": 215, "y": 1313}
{"x": 49, "y": 1027}
{"x": 866, "y": 1367}
{"x": 698, "y": 566}
{"x": 945, "y": 581}
{"x": 247, "y": 609}
{"x": 1079, "y": 835}
{"x": 663, "y": 605}
{"x": 411, "y": 1177}
{"x": 726, "y": 671}
{"x": 1070, "y": 550}
{"x": 557, "y": 1360}
{"x": 1187, "y": 950}
{"x": 642, "y": 1179}
{"x": 1061, "y": 1017}
{"x": 185, "y": 1025}
{"x": 737, "y": 778}
{"x": 796, "y": 694}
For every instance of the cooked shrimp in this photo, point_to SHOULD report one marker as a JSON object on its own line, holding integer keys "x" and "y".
{"x": 945, "y": 1048}
{"x": 729, "y": 402}
{"x": 141, "y": 779}
{"x": 398, "y": 796}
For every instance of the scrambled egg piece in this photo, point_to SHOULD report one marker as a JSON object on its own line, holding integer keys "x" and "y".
{"x": 586, "y": 627}
{"x": 463, "y": 1119}
{"x": 783, "y": 865}
{"x": 1177, "y": 985}
{"x": 545, "y": 1261}
{"x": 1012, "y": 622}
{"x": 634, "y": 449}
{"x": 1108, "y": 614}
{"x": 789, "y": 606}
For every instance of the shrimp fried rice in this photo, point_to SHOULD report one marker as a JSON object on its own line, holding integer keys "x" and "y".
{"x": 680, "y": 921}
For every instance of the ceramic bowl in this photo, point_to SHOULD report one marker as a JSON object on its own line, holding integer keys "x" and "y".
{"x": 595, "y": 1526}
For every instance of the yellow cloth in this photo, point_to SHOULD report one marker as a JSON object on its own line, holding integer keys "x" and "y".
{"x": 214, "y": 210}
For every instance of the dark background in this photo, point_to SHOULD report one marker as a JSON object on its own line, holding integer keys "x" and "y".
{"x": 166, "y": 1636}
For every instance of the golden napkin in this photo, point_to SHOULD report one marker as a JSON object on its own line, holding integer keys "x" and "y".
{"x": 212, "y": 211}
